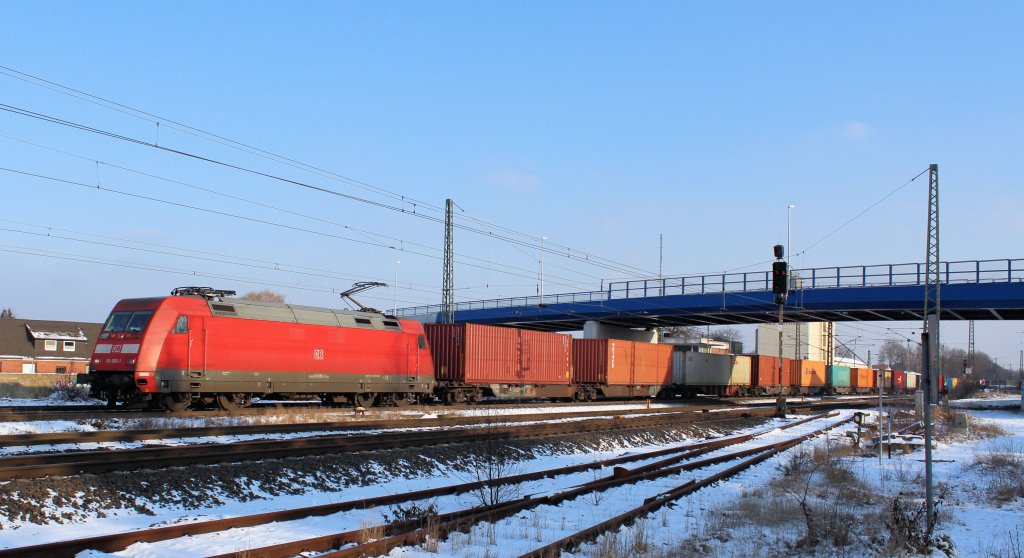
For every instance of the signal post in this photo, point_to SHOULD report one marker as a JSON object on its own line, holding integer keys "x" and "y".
{"x": 780, "y": 287}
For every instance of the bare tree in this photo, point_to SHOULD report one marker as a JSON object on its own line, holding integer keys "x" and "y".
{"x": 726, "y": 334}
{"x": 682, "y": 332}
{"x": 266, "y": 295}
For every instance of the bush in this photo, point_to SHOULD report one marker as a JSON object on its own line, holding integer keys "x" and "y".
{"x": 68, "y": 391}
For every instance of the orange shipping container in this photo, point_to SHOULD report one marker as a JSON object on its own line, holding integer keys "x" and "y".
{"x": 616, "y": 362}
{"x": 862, "y": 378}
{"x": 602, "y": 361}
{"x": 474, "y": 354}
{"x": 807, "y": 373}
{"x": 765, "y": 371}
{"x": 652, "y": 364}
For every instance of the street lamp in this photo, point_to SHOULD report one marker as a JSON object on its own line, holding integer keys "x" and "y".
{"x": 789, "y": 228}
{"x": 542, "y": 239}
{"x": 395, "y": 311}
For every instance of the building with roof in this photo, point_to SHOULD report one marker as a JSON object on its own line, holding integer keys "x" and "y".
{"x": 45, "y": 346}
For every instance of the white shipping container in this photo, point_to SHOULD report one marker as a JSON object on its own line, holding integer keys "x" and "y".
{"x": 741, "y": 367}
{"x": 703, "y": 369}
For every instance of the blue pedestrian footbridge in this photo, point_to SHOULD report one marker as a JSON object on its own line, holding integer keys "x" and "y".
{"x": 969, "y": 290}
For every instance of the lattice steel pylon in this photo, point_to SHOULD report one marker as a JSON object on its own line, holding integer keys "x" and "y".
{"x": 930, "y": 339}
{"x": 932, "y": 304}
{"x": 448, "y": 282}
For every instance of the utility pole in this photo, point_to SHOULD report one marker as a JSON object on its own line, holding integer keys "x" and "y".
{"x": 799, "y": 342}
{"x": 542, "y": 239}
{"x": 830, "y": 354}
{"x": 448, "y": 282}
{"x": 970, "y": 348}
{"x": 932, "y": 314}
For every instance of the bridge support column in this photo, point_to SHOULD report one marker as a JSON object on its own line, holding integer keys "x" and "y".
{"x": 593, "y": 329}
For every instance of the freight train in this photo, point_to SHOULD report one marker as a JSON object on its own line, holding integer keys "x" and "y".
{"x": 200, "y": 347}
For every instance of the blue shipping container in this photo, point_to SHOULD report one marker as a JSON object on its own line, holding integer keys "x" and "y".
{"x": 838, "y": 376}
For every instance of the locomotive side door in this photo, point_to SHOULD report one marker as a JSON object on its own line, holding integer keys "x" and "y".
{"x": 413, "y": 345}
{"x": 196, "y": 347}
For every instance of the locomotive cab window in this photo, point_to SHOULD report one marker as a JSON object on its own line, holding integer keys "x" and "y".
{"x": 128, "y": 321}
{"x": 181, "y": 326}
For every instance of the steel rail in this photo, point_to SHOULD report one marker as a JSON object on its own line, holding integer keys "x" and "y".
{"x": 656, "y": 502}
{"x": 43, "y": 464}
{"x": 120, "y": 541}
{"x": 54, "y": 438}
{"x": 493, "y": 513}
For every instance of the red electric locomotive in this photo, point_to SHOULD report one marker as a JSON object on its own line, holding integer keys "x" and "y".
{"x": 198, "y": 346}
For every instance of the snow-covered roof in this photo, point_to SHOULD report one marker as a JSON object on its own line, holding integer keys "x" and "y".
{"x": 77, "y": 335}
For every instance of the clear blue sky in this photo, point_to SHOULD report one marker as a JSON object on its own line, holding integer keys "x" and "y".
{"x": 599, "y": 125}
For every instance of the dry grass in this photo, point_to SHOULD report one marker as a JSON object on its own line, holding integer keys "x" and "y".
{"x": 370, "y": 531}
{"x": 1003, "y": 471}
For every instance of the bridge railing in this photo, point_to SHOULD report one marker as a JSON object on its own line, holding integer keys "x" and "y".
{"x": 891, "y": 275}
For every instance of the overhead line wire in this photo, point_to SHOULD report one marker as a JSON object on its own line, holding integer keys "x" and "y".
{"x": 54, "y": 120}
{"x": 253, "y": 219}
{"x": 153, "y": 118}
{"x": 290, "y": 212}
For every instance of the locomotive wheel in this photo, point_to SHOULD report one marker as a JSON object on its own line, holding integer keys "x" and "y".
{"x": 233, "y": 401}
{"x": 176, "y": 402}
{"x": 365, "y": 399}
{"x": 400, "y": 399}
{"x": 451, "y": 397}
{"x": 111, "y": 399}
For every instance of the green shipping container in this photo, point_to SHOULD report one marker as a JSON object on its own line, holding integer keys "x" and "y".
{"x": 839, "y": 376}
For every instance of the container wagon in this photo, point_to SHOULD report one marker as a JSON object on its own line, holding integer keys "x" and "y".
{"x": 619, "y": 368}
{"x": 807, "y": 376}
{"x": 899, "y": 381}
{"x": 710, "y": 374}
{"x": 764, "y": 376}
{"x": 473, "y": 361}
{"x": 862, "y": 380}
{"x": 838, "y": 377}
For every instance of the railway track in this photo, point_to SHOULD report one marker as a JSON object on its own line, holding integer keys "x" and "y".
{"x": 25, "y": 413}
{"x": 93, "y": 462}
{"x": 650, "y": 465}
{"x": 102, "y": 436}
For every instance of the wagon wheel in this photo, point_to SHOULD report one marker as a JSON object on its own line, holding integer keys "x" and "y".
{"x": 176, "y": 402}
{"x": 579, "y": 396}
{"x": 451, "y": 397}
{"x": 365, "y": 399}
{"x": 476, "y": 396}
{"x": 233, "y": 401}
{"x": 424, "y": 398}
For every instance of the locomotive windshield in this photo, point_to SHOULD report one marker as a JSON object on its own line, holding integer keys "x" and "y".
{"x": 128, "y": 321}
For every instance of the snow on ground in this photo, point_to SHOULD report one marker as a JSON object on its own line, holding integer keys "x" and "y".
{"x": 977, "y": 513}
{"x": 1005, "y": 402}
{"x": 53, "y": 400}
